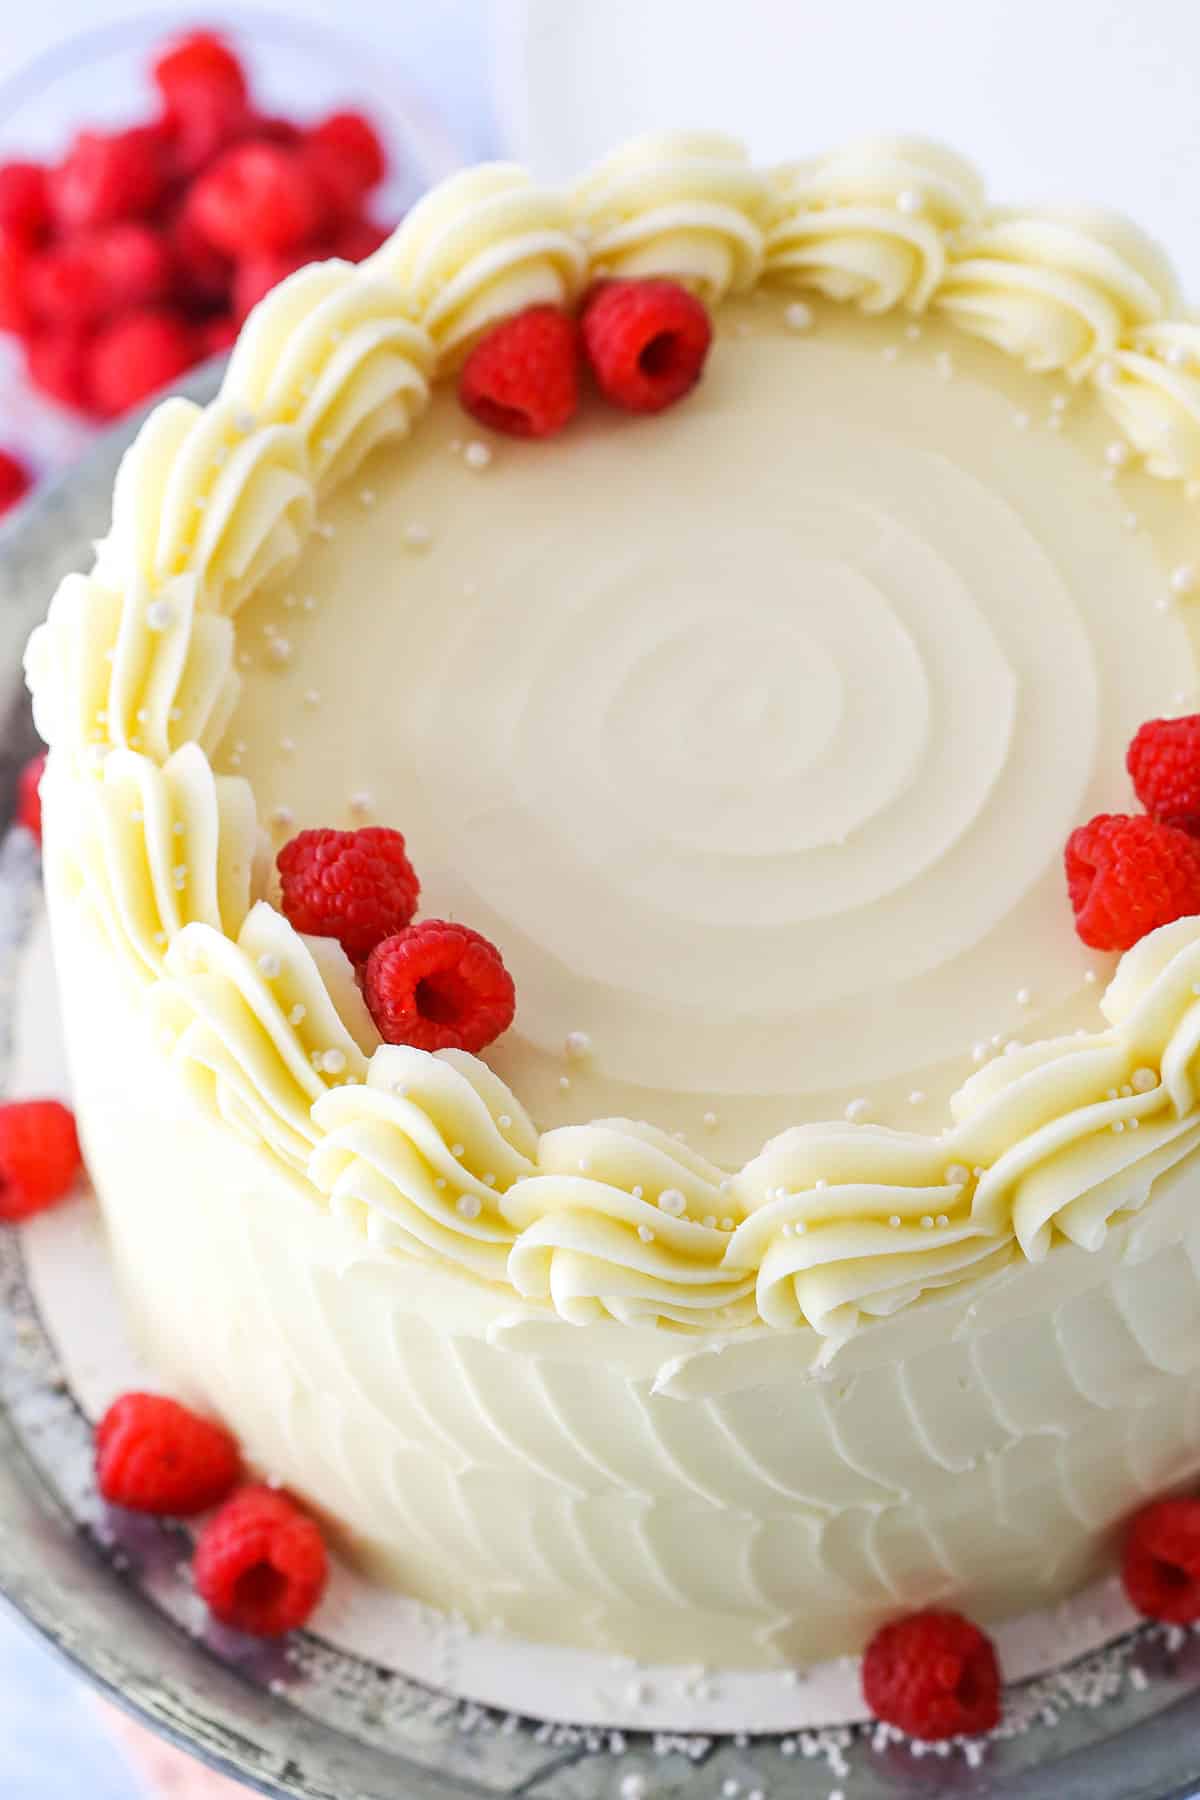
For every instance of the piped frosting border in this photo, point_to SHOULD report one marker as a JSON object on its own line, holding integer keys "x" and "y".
{"x": 134, "y": 682}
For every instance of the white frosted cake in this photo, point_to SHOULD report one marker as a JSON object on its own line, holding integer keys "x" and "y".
{"x": 820, "y": 1239}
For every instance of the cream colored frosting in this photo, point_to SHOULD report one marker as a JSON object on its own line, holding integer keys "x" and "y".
{"x": 955, "y": 610}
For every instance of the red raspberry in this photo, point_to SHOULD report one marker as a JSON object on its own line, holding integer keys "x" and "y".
{"x": 357, "y": 239}
{"x": 260, "y": 1563}
{"x": 203, "y": 274}
{"x": 1160, "y": 1566}
{"x": 217, "y": 335}
{"x": 133, "y": 262}
{"x": 39, "y": 1156}
{"x": 356, "y": 886}
{"x": 523, "y": 377}
{"x": 24, "y": 200}
{"x": 29, "y": 795}
{"x": 256, "y": 197}
{"x": 201, "y": 60}
{"x": 439, "y": 987}
{"x": 646, "y": 342}
{"x": 64, "y": 285}
{"x": 15, "y": 259}
{"x": 135, "y": 355}
{"x": 15, "y": 483}
{"x": 355, "y": 142}
{"x": 933, "y": 1675}
{"x": 1127, "y": 875}
{"x": 346, "y": 160}
{"x": 107, "y": 176}
{"x": 58, "y": 361}
{"x": 155, "y": 1456}
{"x": 258, "y": 274}
{"x": 1164, "y": 764}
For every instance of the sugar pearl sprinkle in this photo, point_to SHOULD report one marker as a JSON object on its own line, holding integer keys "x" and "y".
{"x": 477, "y": 454}
{"x": 577, "y": 1046}
{"x": 857, "y": 1109}
{"x": 160, "y": 614}
{"x": 672, "y": 1201}
{"x": 1184, "y": 579}
{"x": 798, "y": 316}
{"x": 417, "y": 537}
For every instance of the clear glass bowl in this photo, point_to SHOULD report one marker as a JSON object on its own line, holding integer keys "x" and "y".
{"x": 102, "y": 78}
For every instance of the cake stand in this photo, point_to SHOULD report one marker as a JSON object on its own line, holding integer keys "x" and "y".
{"x": 315, "y": 1723}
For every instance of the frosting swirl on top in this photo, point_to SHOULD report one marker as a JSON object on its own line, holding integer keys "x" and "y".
{"x": 869, "y": 223}
{"x": 683, "y": 204}
{"x": 1057, "y": 287}
{"x": 484, "y": 243}
{"x": 1151, "y": 386}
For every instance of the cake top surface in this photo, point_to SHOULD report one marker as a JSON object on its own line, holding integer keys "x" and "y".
{"x": 752, "y": 733}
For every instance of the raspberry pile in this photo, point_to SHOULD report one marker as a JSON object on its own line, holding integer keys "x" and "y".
{"x": 933, "y": 1675}
{"x": 142, "y": 250}
{"x": 1129, "y": 873}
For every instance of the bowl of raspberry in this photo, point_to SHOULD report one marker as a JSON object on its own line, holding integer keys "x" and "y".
{"x": 156, "y": 180}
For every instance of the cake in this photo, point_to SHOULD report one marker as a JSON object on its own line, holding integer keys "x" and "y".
{"x": 820, "y": 1240}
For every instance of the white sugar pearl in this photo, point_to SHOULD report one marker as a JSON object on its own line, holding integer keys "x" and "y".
{"x": 159, "y": 614}
{"x": 1116, "y": 454}
{"x": 672, "y": 1201}
{"x": 797, "y": 316}
{"x": 957, "y": 1174}
{"x": 468, "y": 1206}
{"x": 1184, "y": 578}
{"x": 908, "y": 200}
{"x": 645, "y": 1233}
{"x": 418, "y": 537}
{"x": 333, "y": 1062}
{"x": 856, "y": 1109}
{"x": 268, "y": 965}
{"x": 577, "y": 1047}
{"x": 1143, "y": 1080}
{"x": 477, "y": 454}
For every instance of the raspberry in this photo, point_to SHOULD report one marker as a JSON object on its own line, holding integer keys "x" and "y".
{"x": 260, "y": 1563}
{"x": 355, "y": 142}
{"x": 15, "y": 260}
{"x": 1164, "y": 764}
{"x": 155, "y": 1456}
{"x": 933, "y": 1675}
{"x": 356, "y": 886}
{"x": 58, "y": 361}
{"x": 29, "y": 795}
{"x": 357, "y": 239}
{"x": 203, "y": 274}
{"x": 133, "y": 264}
{"x": 15, "y": 483}
{"x": 345, "y": 158}
{"x": 646, "y": 342}
{"x": 1160, "y": 1566}
{"x": 24, "y": 200}
{"x": 108, "y": 176}
{"x": 523, "y": 377}
{"x": 439, "y": 987}
{"x": 217, "y": 335}
{"x": 256, "y": 197}
{"x": 257, "y": 275}
{"x": 64, "y": 285}
{"x": 39, "y": 1156}
{"x": 202, "y": 60}
{"x": 135, "y": 355}
{"x": 1127, "y": 875}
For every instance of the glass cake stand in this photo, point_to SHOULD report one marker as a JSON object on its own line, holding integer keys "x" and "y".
{"x": 315, "y": 1723}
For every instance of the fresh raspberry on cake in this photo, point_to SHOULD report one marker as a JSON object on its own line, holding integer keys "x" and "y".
{"x": 154, "y": 1455}
{"x": 933, "y": 1675}
{"x": 646, "y": 342}
{"x": 260, "y": 1563}
{"x": 356, "y": 886}
{"x": 39, "y": 1156}
{"x": 439, "y": 986}
{"x": 29, "y": 795}
{"x": 523, "y": 377}
{"x": 1164, "y": 764}
{"x": 1160, "y": 1567}
{"x": 1127, "y": 875}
